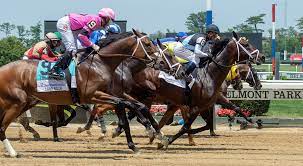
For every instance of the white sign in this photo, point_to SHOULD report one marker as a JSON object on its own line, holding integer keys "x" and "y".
{"x": 269, "y": 94}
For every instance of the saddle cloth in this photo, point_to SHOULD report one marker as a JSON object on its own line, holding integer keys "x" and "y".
{"x": 46, "y": 84}
{"x": 172, "y": 80}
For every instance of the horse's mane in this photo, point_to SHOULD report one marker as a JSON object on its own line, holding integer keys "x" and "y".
{"x": 113, "y": 37}
{"x": 219, "y": 45}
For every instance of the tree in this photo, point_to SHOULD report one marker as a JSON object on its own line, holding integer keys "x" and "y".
{"x": 35, "y": 32}
{"x": 11, "y": 49}
{"x": 195, "y": 22}
{"x": 255, "y": 20}
{"x": 7, "y": 28}
{"x": 158, "y": 35}
{"x": 23, "y": 34}
{"x": 242, "y": 28}
{"x": 300, "y": 24}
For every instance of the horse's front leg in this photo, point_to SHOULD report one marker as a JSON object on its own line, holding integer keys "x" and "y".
{"x": 100, "y": 98}
{"x": 120, "y": 111}
{"x": 185, "y": 128}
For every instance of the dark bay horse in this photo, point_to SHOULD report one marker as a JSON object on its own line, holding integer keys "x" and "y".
{"x": 246, "y": 73}
{"x": 206, "y": 88}
{"x": 18, "y": 86}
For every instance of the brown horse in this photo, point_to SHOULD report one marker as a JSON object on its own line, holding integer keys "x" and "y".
{"x": 246, "y": 73}
{"x": 207, "y": 86}
{"x": 175, "y": 94}
{"x": 128, "y": 66}
{"x": 18, "y": 86}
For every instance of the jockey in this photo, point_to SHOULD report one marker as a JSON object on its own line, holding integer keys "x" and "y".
{"x": 195, "y": 49}
{"x": 79, "y": 26}
{"x": 180, "y": 36}
{"x": 101, "y": 34}
{"x": 44, "y": 50}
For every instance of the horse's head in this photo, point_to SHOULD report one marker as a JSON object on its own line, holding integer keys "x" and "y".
{"x": 167, "y": 61}
{"x": 249, "y": 74}
{"x": 247, "y": 51}
{"x": 144, "y": 48}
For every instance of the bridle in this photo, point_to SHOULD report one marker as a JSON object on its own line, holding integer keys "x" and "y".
{"x": 171, "y": 66}
{"x": 240, "y": 46}
{"x": 250, "y": 73}
{"x": 139, "y": 42}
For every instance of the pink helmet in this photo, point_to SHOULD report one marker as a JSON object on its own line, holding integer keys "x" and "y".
{"x": 107, "y": 12}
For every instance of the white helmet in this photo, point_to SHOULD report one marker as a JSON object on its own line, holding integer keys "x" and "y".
{"x": 51, "y": 37}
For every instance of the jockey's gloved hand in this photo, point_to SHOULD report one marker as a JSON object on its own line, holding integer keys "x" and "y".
{"x": 96, "y": 47}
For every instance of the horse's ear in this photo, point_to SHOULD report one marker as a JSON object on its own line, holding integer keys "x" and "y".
{"x": 135, "y": 32}
{"x": 235, "y": 35}
{"x": 159, "y": 43}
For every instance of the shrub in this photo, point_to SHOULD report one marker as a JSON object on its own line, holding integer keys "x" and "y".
{"x": 257, "y": 107}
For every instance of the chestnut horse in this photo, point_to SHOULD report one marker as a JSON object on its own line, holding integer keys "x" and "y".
{"x": 118, "y": 86}
{"x": 18, "y": 86}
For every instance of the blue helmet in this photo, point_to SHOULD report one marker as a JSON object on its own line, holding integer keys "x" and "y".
{"x": 114, "y": 28}
{"x": 181, "y": 34}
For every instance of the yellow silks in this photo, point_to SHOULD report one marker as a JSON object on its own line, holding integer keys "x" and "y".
{"x": 232, "y": 74}
{"x": 170, "y": 48}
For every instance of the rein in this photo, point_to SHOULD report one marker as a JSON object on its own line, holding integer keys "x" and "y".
{"x": 171, "y": 66}
{"x": 250, "y": 73}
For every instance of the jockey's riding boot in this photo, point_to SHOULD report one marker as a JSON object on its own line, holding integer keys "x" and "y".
{"x": 60, "y": 65}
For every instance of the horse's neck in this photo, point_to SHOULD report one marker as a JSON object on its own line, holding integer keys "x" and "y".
{"x": 111, "y": 61}
{"x": 134, "y": 65}
{"x": 121, "y": 46}
{"x": 218, "y": 74}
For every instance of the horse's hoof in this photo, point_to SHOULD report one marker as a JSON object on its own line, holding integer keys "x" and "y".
{"x": 58, "y": 140}
{"x": 79, "y": 130}
{"x": 160, "y": 146}
{"x": 136, "y": 151}
{"x": 36, "y": 137}
{"x": 38, "y": 122}
{"x": 115, "y": 134}
{"x": 101, "y": 138}
{"x": 192, "y": 143}
{"x": 150, "y": 133}
{"x": 23, "y": 141}
{"x": 214, "y": 134}
{"x": 89, "y": 133}
{"x": 17, "y": 155}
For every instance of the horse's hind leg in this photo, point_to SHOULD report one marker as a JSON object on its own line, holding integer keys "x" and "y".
{"x": 53, "y": 116}
{"x": 24, "y": 121}
{"x": 185, "y": 116}
{"x": 9, "y": 116}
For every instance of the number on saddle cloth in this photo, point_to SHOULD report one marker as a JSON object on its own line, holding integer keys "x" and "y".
{"x": 47, "y": 84}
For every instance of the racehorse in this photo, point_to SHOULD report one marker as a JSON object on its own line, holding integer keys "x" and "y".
{"x": 206, "y": 88}
{"x": 246, "y": 73}
{"x": 18, "y": 86}
{"x": 120, "y": 43}
{"x": 141, "y": 79}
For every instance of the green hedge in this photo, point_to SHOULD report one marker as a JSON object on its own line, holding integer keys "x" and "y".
{"x": 257, "y": 107}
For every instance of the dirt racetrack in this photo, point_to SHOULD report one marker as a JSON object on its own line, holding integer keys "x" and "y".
{"x": 279, "y": 146}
